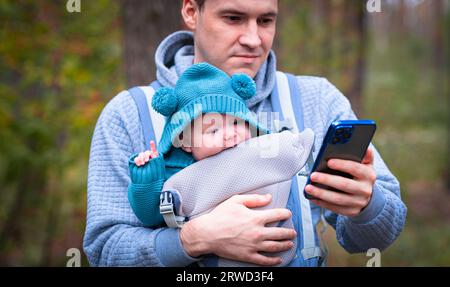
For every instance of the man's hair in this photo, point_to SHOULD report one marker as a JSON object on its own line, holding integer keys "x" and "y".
{"x": 200, "y": 4}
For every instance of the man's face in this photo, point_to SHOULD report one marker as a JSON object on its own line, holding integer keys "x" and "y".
{"x": 234, "y": 35}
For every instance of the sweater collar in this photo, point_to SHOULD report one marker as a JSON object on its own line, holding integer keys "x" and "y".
{"x": 178, "y": 158}
{"x": 176, "y": 53}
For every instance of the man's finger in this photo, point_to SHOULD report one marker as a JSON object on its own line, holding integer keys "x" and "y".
{"x": 368, "y": 157}
{"x": 251, "y": 200}
{"x": 339, "y": 182}
{"x": 274, "y": 215}
{"x": 335, "y": 198}
{"x": 276, "y": 246}
{"x": 353, "y": 168}
{"x": 279, "y": 233}
{"x": 264, "y": 260}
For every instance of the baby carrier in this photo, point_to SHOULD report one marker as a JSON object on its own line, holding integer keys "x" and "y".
{"x": 285, "y": 100}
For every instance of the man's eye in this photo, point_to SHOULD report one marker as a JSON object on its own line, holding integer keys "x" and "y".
{"x": 233, "y": 18}
{"x": 266, "y": 21}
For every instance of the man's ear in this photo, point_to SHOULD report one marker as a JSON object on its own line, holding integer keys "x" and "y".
{"x": 190, "y": 11}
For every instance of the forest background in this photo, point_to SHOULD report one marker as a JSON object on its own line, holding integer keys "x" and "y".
{"x": 59, "y": 69}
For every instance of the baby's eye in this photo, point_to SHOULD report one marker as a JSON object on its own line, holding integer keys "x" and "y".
{"x": 238, "y": 122}
{"x": 213, "y": 131}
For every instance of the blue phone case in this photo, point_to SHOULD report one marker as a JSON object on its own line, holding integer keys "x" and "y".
{"x": 345, "y": 139}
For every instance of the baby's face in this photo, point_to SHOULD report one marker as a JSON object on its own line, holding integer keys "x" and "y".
{"x": 212, "y": 133}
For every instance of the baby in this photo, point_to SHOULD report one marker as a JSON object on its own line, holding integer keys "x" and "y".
{"x": 206, "y": 114}
{"x": 196, "y": 160}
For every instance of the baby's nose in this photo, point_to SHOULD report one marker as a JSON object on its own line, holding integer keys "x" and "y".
{"x": 229, "y": 134}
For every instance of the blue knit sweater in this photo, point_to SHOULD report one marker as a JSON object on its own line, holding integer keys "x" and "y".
{"x": 115, "y": 237}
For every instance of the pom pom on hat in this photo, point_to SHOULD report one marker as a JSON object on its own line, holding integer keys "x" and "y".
{"x": 243, "y": 85}
{"x": 165, "y": 101}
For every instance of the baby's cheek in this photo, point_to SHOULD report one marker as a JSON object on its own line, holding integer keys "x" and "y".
{"x": 247, "y": 134}
{"x": 204, "y": 152}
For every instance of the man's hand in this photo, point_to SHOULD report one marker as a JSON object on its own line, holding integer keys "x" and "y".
{"x": 356, "y": 192}
{"x": 234, "y": 231}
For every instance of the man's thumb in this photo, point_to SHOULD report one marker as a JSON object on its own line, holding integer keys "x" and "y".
{"x": 252, "y": 200}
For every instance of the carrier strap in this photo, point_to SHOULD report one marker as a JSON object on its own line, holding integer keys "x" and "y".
{"x": 290, "y": 107}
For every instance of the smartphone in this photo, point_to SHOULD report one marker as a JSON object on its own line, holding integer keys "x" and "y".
{"x": 345, "y": 139}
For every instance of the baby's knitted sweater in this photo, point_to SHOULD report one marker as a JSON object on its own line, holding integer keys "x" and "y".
{"x": 147, "y": 182}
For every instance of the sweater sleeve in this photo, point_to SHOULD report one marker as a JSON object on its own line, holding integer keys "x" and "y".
{"x": 381, "y": 222}
{"x": 145, "y": 189}
{"x": 114, "y": 236}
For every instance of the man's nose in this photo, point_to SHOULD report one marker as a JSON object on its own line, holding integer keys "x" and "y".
{"x": 250, "y": 36}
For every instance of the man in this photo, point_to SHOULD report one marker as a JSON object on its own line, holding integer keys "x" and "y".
{"x": 235, "y": 36}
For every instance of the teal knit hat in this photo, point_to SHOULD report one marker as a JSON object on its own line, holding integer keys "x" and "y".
{"x": 201, "y": 89}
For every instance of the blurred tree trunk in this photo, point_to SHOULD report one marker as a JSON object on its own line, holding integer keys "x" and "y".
{"x": 325, "y": 38}
{"x": 356, "y": 27}
{"x": 438, "y": 58}
{"x": 145, "y": 23}
{"x": 31, "y": 184}
{"x": 323, "y": 8}
{"x": 438, "y": 34}
{"x": 398, "y": 22}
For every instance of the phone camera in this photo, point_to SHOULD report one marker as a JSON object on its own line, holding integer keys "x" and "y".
{"x": 342, "y": 135}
